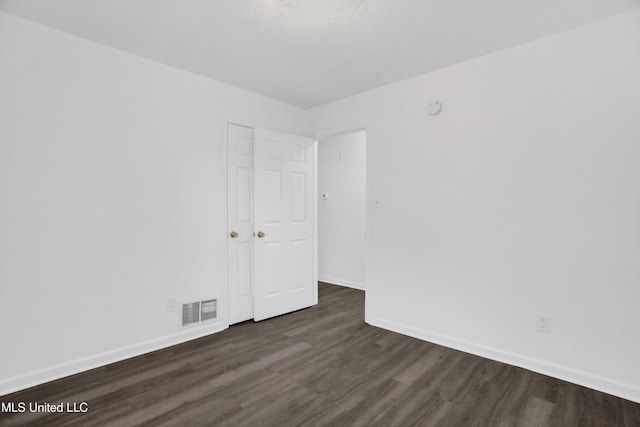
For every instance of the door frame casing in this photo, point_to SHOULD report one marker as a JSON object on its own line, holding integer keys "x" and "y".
{"x": 341, "y": 130}
{"x": 315, "y": 221}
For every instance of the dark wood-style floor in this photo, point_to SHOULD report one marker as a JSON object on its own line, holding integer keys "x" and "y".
{"x": 319, "y": 366}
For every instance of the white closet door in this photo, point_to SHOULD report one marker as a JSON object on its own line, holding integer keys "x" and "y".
{"x": 240, "y": 222}
{"x": 283, "y": 167}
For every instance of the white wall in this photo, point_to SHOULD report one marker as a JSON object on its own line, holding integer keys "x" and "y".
{"x": 521, "y": 197}
{"x": 342, "y": 241}
{"x": 112, "y": 198}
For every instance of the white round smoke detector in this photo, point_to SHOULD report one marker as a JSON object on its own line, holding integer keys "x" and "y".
{"x": 434, "y": 107}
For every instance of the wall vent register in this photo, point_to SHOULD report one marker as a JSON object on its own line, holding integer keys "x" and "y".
{"x": 199, "y": 311}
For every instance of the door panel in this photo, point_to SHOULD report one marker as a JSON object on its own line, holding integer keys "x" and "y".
{"x": 244, "y": 180}
{"x": 240, "y": 220}
{"x": 270, "y": 187}
{"x": 284, "y": 212}
{"x": 245, "y": 286}
{"x": 298, "y": 198}
{"x": 272, "y": 252}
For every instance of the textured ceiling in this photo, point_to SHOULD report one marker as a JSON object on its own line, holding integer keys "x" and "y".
{"x": 309, "y": 52}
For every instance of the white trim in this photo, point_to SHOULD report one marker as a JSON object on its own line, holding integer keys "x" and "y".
{"x": 368, "y": 267}
{"x": 342, "y": 282}
{"x": 606, "y": 385}
{"x": 315, "y": 222}
{"x": 225, "y": 185}
{"x": 339, "y": 130}
{"x": 62, "y": 370}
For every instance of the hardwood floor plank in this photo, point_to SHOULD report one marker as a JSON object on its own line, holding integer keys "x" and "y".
{"x": 421, "y": 366}
{"x": 322, "y": 366}
{"x": 536, "y": 413}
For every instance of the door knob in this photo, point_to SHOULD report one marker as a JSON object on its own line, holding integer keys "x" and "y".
{"x": 260, "y": 234}
{"x": 233, "y": 234}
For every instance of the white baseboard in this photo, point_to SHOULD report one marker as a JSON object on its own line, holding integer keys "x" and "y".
{"x": 341, "y": 282}
{"x": 51, "y": 373}
{"x": 616, "y": 388}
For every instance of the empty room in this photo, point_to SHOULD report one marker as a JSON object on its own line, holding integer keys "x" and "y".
{"x": 320, "y": 213}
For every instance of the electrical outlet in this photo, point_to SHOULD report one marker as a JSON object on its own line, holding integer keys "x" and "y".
{"x": 172, "y": 303}
{"x": 544, "y": 323}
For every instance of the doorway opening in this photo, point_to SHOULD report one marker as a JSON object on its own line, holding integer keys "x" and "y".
{"x": 342, "y": 209}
